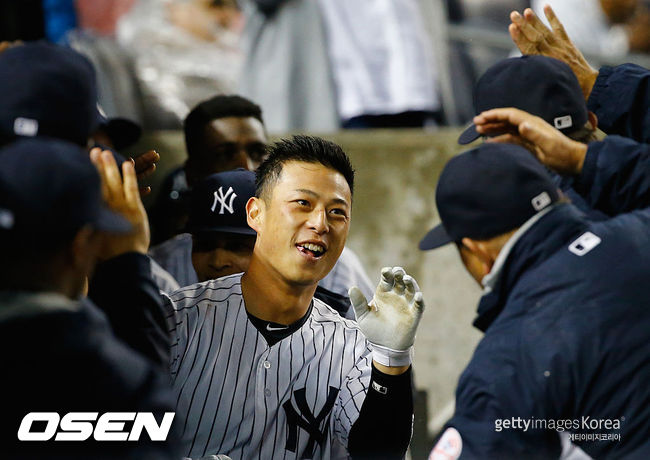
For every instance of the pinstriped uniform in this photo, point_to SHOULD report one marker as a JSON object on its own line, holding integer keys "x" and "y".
{"x": 238, "y": 396}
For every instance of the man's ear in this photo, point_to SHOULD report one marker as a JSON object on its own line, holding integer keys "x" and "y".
{"x": 482, "y": 253}
{"x": 255, "y": 213}
{"x": 83, "y": 250}
{"x": 593, "y": 120}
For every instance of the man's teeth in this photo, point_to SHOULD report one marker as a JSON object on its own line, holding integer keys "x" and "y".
{"x": 313, "y": 248}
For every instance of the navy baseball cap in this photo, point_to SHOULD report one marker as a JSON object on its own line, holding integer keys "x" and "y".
{"x": 121, "y": 131}
{"x": 539, "y": 85}
{"x": 47, "y": 90}
{"x": 218, "y": 203}
{"x": 488, "y": 191}
{"x": 49, "y": 189}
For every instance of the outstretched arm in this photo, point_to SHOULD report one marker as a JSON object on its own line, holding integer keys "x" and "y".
{"x": 389, "y": 322}
{"x": 122, "y": 285}
{"x": 612, "y": 175}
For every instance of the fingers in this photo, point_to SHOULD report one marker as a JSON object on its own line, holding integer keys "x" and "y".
{"x": 111, "y": 175}
{"x": 398, "y": 274}
{"x": 387, "y": 279}
{"x": 145, "y": 164}
{"x": 419, "y": 301}
{"x": 131, "y": 192}
{"x": 358, "y": 301}
{"x": 411, "y": 286}
{"x": 556, "y": 25}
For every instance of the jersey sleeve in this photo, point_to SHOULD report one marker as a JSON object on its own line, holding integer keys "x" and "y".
{"x": 353, "y": 393}
{"x": 616, "y": 176}
{"x": 620, "y": 99}
{"x": 124, "y": 289}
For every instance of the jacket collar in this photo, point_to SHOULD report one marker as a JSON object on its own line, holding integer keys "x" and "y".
{"x": 535, "y": 245}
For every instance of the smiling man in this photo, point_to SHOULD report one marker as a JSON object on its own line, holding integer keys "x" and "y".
{"x": 261, "y": 369}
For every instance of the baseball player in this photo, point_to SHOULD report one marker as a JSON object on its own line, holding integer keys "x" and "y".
{"x": 263, "y": 370}
{"x": 224, "y": 133}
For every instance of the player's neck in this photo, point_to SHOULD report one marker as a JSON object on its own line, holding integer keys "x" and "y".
{"x": 268, "y": 297}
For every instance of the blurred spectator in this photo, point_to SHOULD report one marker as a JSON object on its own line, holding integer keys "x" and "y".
{"x": 101, "y": 16}
{"x": 381, "y": 62}
{"x": 286, "y": 68}
{"x": 183, "y": 52}
{"x": 605, "y": 27}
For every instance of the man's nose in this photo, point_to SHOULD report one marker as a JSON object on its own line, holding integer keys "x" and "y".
{"x": 318, "y": 221}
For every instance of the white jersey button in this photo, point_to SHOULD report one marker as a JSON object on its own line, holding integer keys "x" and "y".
{"x": 267, "y": 392}
{"x": 266, "y": 364}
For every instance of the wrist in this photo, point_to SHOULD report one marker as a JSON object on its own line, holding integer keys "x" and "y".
{"x": 579, "y": 153}
{"x": 388, "y": 357}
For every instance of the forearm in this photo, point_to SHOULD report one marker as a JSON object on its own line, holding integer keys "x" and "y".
{"x": 384, "y": 426}
{"x": 123, "y": 288}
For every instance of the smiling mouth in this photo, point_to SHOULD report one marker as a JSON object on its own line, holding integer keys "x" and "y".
{"x": 314, "y": 250}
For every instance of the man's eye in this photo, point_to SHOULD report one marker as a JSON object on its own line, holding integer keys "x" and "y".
{"x": 339, "y": 212}
{"x": 302, "y": 202}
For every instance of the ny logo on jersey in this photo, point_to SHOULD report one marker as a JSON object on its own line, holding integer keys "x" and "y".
{"x": 220, "y": 197}
{"x": 304, "y": 418}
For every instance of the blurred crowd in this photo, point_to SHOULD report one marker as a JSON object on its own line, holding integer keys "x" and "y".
{"x": 312, "y": 66}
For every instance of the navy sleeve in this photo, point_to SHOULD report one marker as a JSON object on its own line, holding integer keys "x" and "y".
{"x": 385, "y": 424}
{"x": 124, "y": 290}
{"x": 615, "y": 177}
{"x": 620, "y": 99}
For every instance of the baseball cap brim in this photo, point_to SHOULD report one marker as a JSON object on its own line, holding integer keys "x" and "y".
{"x": 436, "y": 238}
{"x": 469, "y": 135}
{"x": 108, "y": 221}
{"x": 222, "y": 229}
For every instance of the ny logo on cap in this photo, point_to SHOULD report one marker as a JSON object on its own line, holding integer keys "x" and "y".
{"x": 220, "y": 197}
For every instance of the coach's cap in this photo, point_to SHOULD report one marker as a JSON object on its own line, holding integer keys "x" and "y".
{"x": 49, "y": 189}
{"x": 539, "y": 85}
{"x": 47, "y": 90}
{"x": 487, "y": 191}
{"x": 121, "y": 131}
{"x": 218, "y": 203}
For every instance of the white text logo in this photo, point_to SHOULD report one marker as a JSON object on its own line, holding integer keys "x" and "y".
{"x": 78, "y": 426}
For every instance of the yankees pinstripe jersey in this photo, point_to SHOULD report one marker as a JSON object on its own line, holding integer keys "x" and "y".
{"x": 240, "y": 397}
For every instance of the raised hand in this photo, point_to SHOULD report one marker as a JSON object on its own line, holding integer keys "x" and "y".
{"x": 391, "y": 318}
{"x": 531, "y": 36}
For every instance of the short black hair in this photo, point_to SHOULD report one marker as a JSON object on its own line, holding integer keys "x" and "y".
{"x": 308, "y": 149}
{"x": 220, "y": 106}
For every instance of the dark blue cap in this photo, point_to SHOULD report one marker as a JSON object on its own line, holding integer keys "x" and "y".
{"x": 539, "y": 85}
{"x": 47, "y": 90}
{"x": 488, "y": 191}
{"x": 218, "y": 203}
{"x": 49, "y": 189}
{"x": 121, "y": 131}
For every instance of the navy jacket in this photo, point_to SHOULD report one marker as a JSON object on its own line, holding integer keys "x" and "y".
{"x": 620, "y": 99}
{"x": 566, "y": 337}
{"x": 615, "y": 177}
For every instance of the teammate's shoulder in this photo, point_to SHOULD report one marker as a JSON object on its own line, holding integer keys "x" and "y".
{"x": 323, "y": 313}
{"x": 216, "y": 290}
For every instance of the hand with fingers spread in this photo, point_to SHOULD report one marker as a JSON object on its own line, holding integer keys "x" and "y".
{"x": 390, "y": 320}
{"x": 550, "y": 146}
{"x": 532, "y": 37}
{"x": 121, "y": 195}
{"x": 145, "y": 165}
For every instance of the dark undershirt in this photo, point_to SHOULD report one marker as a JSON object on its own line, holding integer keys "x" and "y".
{"x": 274, "y": 332}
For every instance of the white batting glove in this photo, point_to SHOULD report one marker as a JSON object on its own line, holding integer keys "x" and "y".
{"x": 390, "y": 320}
